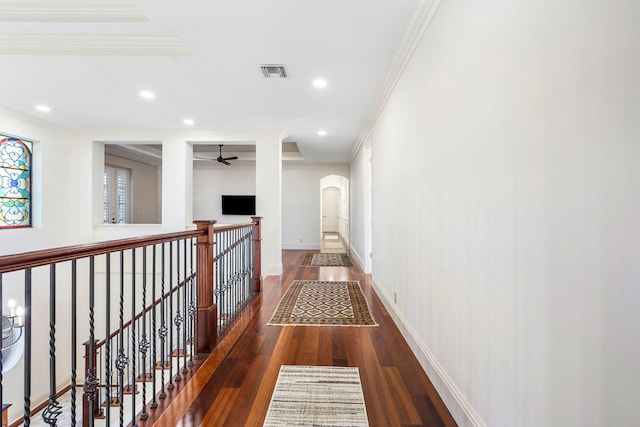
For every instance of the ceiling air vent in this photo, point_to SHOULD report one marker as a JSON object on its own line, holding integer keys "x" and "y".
{"x": 271, "y": 71}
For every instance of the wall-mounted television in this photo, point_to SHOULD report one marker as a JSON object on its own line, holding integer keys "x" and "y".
{"x": 238, "y": 205}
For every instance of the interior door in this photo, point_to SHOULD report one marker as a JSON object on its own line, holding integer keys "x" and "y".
{"x": 330, "y": 198}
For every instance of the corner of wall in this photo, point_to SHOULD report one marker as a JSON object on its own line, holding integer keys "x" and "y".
{"x": 357, "y": 258}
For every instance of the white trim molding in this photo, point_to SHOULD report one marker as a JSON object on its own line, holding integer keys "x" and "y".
{"x": 93, "y": 11}
{"x": 302, "y": 246}
{"x": 93, "y": 44}
{"x": 425, "y": 11}
{"x": 460, "y": 408}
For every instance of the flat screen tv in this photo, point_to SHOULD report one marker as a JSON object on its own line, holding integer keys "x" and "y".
{"x": 238, "y": 205}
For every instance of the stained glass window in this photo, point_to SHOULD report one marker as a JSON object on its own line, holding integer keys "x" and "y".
{"x": 15, "y": 182}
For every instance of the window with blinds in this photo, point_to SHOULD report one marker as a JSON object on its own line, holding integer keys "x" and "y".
{"x": 116, "y": 197}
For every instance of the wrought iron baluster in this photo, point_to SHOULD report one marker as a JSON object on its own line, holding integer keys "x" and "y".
{"x": 91, "y": 382}
{"x": 132, "y": 348}
{"x": 243, "y": 264}
{"x": 27, "y": 348}
{"x": 74, "y": 331}
{"x": 53, "y": 410}
{"x": 247, "y": 270}
{"x": 162, "y": 332}
{"x": 192, "y": 309}
{"x": 241, "y": 295}
{"x": 197, "y": 315}
{"x": 178, "y": 318}
{"x": 122, "y": 360}
{"x": 234, "y": 296}
{"x": 225, "y": 267}
{"x": 154, "y": 357}
{"x": 216, "y": 279}
{"x": 144, "y": 343}
{"x": 107, "y": 342}
{"x": 170, "y": 386}
{"x": 184, "y": 308}
{"x": 228, "y": 279}
{"x": 219, "y": 285}
{"x": 253, "y": 256}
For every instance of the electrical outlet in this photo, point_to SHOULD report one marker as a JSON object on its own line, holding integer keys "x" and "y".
{"x": 395, "y": 296}
{"x": 300, "y": 240}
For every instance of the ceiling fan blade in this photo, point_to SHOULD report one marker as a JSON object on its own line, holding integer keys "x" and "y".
{"x": 202, "y": 158}
{"x": 226, "y": 163}
{"x": 231, "y": 158}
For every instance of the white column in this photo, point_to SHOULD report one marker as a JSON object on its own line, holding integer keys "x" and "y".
{"x": 269, "y": 199}
{"x": 177, "y": 184}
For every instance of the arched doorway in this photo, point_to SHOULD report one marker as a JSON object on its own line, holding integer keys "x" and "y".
{"x": 334, "y": 207}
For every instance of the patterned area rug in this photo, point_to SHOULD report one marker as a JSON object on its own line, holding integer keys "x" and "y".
{"x": 323, "y": 303}
{"x": 317, "y": 396}
{"x": 327, "y": 260}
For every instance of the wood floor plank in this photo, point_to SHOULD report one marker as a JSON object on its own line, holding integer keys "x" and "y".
{"x": 267, "y": 384}
{"x": 220, "y": 407}
{"x": 401, "y": 397}
{"x": 234, "y": 385}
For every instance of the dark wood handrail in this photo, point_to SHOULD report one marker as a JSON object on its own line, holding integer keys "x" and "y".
{"x": 32, "y": 259}
{"x": 225, "y": 227}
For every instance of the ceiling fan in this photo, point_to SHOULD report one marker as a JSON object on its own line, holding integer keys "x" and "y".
{"x": 220, "y": 159}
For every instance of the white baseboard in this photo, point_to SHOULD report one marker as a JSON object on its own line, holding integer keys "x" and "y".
{"x": 458, "y": 405}
{"x": 302, "y": 246}
{"x": 272, "y": 270}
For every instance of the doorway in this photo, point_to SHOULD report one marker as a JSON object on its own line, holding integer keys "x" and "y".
{"x": 334, "y": 211}
{"x": 330, "y": 209}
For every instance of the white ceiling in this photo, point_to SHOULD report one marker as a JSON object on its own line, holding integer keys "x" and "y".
{"x": 88, "y": 61}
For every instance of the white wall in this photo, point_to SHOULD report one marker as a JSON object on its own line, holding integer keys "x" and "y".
{"x": 506, "y": 205}
{"x": 301, "y": 195}
{"x": 359, "y": 188}
{"x": 212, "y": 180}
{"x": 60, "y": 193}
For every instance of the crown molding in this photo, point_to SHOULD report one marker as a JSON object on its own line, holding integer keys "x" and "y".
{"x": 94, "y": 11}
{"x": 425, "y": 11}
{"x": 92, "y": 44}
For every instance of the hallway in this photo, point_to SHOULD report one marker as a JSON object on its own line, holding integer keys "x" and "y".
{"x": 233, "y": 386}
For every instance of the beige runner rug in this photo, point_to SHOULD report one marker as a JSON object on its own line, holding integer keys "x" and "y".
{"x": 317, "y": 396}
{"x": 323, "y": 303}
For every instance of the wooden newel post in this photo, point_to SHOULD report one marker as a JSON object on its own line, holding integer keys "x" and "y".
{"x": 257, "y": 262}
{"x": 207, "y": 313}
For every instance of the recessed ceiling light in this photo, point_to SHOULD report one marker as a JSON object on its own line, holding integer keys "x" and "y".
{"x": 322, "y": 132}
{"x": 147, "y": 94}
{"x": 320, "y": 83}
{"x": 43, "y": 108}
{"x": 188, "y": 122}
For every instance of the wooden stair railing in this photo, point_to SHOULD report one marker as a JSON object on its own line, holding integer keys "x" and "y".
{"x": 135, "y": 303}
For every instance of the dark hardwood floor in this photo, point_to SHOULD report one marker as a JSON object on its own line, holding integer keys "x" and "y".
{"x": 233, "y": 386}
